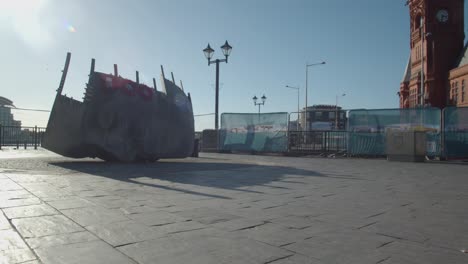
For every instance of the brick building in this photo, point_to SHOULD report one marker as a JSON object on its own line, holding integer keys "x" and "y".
{"x": 437, "y": 70}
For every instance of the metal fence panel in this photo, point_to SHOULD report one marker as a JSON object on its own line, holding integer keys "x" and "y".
{"x": 367, "y": 128}
{"x": 456, "y": 132}
{"x": 18, "y": 136}
{"x": 254, "y": 132}
{"x": 317, "y": 142}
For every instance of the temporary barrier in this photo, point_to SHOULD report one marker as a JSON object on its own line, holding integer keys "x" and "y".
{"x": 18, "y": 136}
{"x": 254, "y": 132}
{"x": 314, "y": 142}
{"x": 367, "y": 128}
{"x": 456, "y": 132}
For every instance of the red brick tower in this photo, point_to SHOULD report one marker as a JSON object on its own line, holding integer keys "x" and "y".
{"x": 437, "y": 36}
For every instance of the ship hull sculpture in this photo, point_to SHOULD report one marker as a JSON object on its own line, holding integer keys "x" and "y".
{"x": 121, "y": 120}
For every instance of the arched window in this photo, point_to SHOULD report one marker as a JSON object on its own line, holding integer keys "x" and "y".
{"x": 417, "y": 22}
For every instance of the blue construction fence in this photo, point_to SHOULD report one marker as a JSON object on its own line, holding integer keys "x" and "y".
{"x": 367, "y": 129}
{"x": 446, "y": 130}
{"x": 365, "y": 133}
{"x": 455, "y": 136}
{"x": 254, "y": 132}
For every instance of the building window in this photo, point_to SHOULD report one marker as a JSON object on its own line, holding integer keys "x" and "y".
{"x": 463, "y": 91}
{"x": 318, "y": 115}
{"x": 452, "y": 92}
{"x": 413, "y": 97}
{"x": 417, "y": 53}
{"x": 417, "y": 22}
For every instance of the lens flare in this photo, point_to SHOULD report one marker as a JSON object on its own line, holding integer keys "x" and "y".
{"x": 71, "y": 29}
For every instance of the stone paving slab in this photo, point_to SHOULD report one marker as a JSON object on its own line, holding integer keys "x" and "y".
{"x": 93, "y": 215}
{"x": 4, "y": 224}
{"x": 14, "y": 202}
{"x": 297, "y": 258}
{"x": 206, "y": 215}
{"x": 409, "y": 252}
{"x": 93, "y": 252}
{"x": 203, "y": 246}
{"x": 347, "y": 246}
{"x": 45, "y": 226}
{"x": 61, "y": 239}
{"x": 123, "y": 233}
{"x": 29, "y": 211}
{"x": 14, "y": 256}
{"x": 178, "y": 227}
{"x": 9, "y": 185}
{"x": 238, "y": 224}
{"x": 273, "y": 234}
{"x": 232, "y": 209}
{"x": 70, "y": 202}
{"x": 10, "y": 240}
{"x": 157, "y": 218}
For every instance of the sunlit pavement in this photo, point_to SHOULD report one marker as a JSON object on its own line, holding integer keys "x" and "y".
{"x": 231, "y": 209}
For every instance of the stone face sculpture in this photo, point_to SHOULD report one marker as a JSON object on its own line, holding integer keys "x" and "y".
{"x": 121, "y": 120}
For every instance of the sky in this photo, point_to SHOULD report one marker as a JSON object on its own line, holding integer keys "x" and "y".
{"x": 365, "y": 44}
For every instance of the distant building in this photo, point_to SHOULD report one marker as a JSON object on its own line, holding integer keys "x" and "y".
{"x": 437, "y": 70}
{"x": 6, "y": 117}
{"x": 324, "y": 117}
{"x": 294, "y": 125}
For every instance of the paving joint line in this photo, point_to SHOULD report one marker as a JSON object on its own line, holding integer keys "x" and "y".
{"x": 367, "y": 225}
{"x": 130, "y": 258}
{"x": 10, "y": 221}
{"x": 280, "y": 258}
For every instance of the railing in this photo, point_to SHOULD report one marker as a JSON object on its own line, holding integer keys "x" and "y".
{"x": 18, "y": 136}
{"x": 303, "y": 142}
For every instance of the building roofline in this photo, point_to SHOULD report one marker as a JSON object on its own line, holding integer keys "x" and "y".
{"x": 6, "y": 102}
{"x": 407, "y": 74}
{"x": 463, "y": 58}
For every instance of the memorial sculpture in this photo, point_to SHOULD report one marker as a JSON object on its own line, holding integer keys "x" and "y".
{"x": 121, "y": 120}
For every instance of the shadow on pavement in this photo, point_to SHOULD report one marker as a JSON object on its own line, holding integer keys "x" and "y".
{"x": 207, "y": 173}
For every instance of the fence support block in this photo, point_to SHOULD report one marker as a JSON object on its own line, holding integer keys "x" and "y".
{"x": 35, "y": 137}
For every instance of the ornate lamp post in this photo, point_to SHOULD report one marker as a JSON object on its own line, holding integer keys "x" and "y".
{"x": 226, "y": 48}
{"x": 259, "y": 104}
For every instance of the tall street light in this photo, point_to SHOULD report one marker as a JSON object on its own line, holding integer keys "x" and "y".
{"x": 307, "y": 80}
{"x": 259, "y": 104}
{"x": 336, "y": 110}
{"x": 298, "y": 109}
{"x": 209, "y": 54}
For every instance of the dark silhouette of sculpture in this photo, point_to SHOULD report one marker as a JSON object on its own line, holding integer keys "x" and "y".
{"x": 121, "y": 120}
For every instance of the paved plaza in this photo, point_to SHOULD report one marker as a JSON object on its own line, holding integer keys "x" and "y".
{"x": 223, "y": 208}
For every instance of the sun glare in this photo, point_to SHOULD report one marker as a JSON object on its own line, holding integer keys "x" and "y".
{"x": 23, "y": 17}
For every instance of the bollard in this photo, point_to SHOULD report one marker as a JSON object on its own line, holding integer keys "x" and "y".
{"x": 17, "y": 144}
{"x": 25, "y": 144}
{"x": 1, "y": 136}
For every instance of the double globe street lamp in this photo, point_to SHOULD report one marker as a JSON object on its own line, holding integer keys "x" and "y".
{"x": 226, "y": 48}
{"x": 259, "y": 104}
